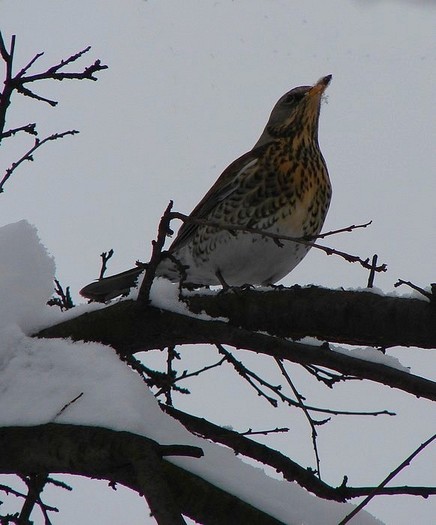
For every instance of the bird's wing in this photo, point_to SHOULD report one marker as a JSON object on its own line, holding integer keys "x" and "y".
{"x": 226, "y": 184}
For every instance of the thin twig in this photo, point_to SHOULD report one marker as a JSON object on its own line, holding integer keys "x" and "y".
{"x": 172, "y": 354}
{"x": 29, "y": 154}
{"x": 185, "y": 374}
{"x": 10, "y": 490}
{"x": 28, "y": 128}
{"x": 24, "y": 70}
{"x": 5, "y": 98}
{"x": 67, "y": 405}
{"x": 105, "y": 256}
{"x": 251, "y": 432}
{"x": 376, "y": 490}
{"x": 423, "y": 292}
{"x": 60, "y": 484}
{"x": 370, "y": 283}
{"x": 327, "y": 377}
{"x": 247, "y": 375}
{"x": 164, "y": 231}
{"x": 335, "y": 232}
{"x": 279, "y": 238}
{"x": 277, "y": 389}
{"x": 291, "y": 470}
{"x": 3, "y": 51}
{"x": 309, "y": 418}
{"x": 28, "y": 93}
{"x": 64, "y": 300}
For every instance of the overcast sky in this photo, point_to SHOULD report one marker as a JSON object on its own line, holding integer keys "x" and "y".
{"x": 189, "y": 88}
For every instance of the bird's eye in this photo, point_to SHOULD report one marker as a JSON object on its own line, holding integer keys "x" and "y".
{"x": 292, "y": 98}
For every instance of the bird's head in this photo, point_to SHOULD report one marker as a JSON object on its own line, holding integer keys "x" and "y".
{"x": 296, "y": 113}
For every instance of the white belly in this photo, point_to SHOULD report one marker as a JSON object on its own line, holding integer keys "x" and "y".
{"x": 240, "y": 259}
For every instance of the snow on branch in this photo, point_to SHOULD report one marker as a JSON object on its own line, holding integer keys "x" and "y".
{"x": 130, "y": 327}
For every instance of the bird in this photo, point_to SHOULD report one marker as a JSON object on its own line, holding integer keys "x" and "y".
{"x": 280, "y": 186}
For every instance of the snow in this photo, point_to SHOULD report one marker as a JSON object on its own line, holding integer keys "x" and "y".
{"x": 40, "y": 377}
{"x": 371, "y": 354}
{"x": 26, "y": 275}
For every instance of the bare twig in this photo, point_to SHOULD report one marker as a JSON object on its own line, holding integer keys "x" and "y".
{"x": 309, "y": 418}
{"x": 251, "y": 432}
{"x": 5, "y": 97}
{"x": 10, "y": 490}
{"x": 247, "y": 375}
{"x": 20, "y": 82}
{"x": 277, "y": 389}
{"x": 186, "y": 375}
{"x": 3, "y": 51}
{"x": 335, "y": 232}
{"x": 172, "y": 354}
{"x": 163, "y": 232}
{"x": 24, "y": 70}
{"x": 370, "y": 283}
{"x": 105, "y": 256}
{"x": 53, "y": 73}
{"x": 327, "y": 377}
{"x": 377, "y": 489}
{"x": 60, "y": 484}
{"x": 35, "y": 484}
{"x": 67, "y": 405}
{"x": 291, "y": 470}
{"x": 429, "y": 295}
{"x": 29, "y": 154}
{"x": 28, "y": 128}
{"x": 279, "y": 238}
{"x": 64, "y": 300}
{"x": 28, "y": 93}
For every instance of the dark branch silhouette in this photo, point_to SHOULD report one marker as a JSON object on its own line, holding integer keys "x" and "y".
{"x": 19, "y": 83}
{"x": 269, "y": 321}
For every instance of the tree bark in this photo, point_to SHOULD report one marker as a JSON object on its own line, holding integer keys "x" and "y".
{"x": 107, "y": 454}
{"x": 347, "y": 317}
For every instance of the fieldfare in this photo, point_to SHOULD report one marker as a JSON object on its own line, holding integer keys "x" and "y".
{"x": 280, "y": 186}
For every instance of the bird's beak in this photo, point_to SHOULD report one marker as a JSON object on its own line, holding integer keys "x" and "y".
{"x": 320, "y": 86}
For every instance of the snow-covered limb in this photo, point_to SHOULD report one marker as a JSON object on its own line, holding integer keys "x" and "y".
{"x": 344, "y": 316}
{"x": 291, "y": 470}
{"x": 129, "y": 328}
{"x": 106, "y": 454}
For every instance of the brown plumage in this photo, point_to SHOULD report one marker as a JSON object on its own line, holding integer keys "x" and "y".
{"x": 280, "y": 186}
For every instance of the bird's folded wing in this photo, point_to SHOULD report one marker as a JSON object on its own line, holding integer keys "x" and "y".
{"x": 226, "y": 184}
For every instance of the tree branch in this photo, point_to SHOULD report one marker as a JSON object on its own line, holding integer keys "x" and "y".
{"x": 291, "y": 471}
{"x": 305, "y": 240}
{"x": 377, "y": 490}
{"x": 130, "y": 328}
{"x": 29, "y": 154}
{"x": 107, "y": 454}
{"x": 358, "y": 318}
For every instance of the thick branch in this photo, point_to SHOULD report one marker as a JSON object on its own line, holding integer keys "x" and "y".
{"x": 131, "y": 328}
{"x": 361, "y": 318}
{"x": 106, "y": 454}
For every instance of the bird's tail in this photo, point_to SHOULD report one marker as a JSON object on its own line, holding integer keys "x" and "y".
{"x": 107, "y": 288}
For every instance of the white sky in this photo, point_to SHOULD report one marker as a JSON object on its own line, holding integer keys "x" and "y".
{"x": 189, "y": 88}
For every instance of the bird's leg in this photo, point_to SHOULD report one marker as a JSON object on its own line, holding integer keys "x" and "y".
{"x": 222, "y": 281}
{"x": 228, "y": 288}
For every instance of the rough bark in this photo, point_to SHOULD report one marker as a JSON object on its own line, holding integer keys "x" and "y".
{"x": 348, "y": 317}
{"x": 107, "y": 454}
